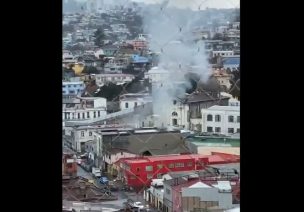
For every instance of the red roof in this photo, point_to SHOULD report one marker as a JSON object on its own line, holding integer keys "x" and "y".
{"x": 227, "y": 157}
{"x": 216, "y": 159}
{"x": 164, "y": 158}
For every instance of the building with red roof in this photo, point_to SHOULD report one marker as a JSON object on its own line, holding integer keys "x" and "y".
{"x": 138, "y": 172}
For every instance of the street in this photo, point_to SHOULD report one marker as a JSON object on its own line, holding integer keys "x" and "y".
{"x": 114, "y": 205}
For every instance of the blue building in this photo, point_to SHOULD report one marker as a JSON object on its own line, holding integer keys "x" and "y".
{"x": 231, "y": 62}
{"x": 73, "y": 87}
{"x": 139, "y": 59}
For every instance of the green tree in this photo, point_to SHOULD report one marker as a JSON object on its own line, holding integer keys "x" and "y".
{"x": 99, "y": 37}
{"x": 136, "y": 86}
{"x": 90, "y": 70}
{"x": 109, "y": 91}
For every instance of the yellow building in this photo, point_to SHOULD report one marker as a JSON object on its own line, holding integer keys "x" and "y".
{"x": 78, "y": 68}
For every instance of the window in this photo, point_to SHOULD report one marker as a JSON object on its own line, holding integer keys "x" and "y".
{"x": 90, "y": 133}
{"x": 174, "y": 102}
{"x": 94, "y": 114}
{"x": 75, "y": 86}
{"x": 98, "y": 113}
{"x": 238, "y": 130}
{"x": 238, "y": 119}
{"x": 209, "y": 117}
{"x": 88, "y": 115}
{"x": 174, "y": 114}
{"x": 189, "y": 164}
{"x": 83, "y": 115}
{"x": 121, "y": 153}
{"x": 143, "y": 124}
{"x": 159, "y": 166}
{"x": 149, "y": 168}
{"x": 82, "y": 133}
{"x": 137, "y": 169}
{"x": 126, "y": 105}
{"x": 135, "y": 104}
{"x": 78, "y": 115}
{"x": 174, "y": 122}
{"x": 230, "y": 118}
{"x": 217, "y": 118}
{"x": 209, "y": 129}
{"x": 218, "y": 129}
{"x": 177, "y": 165}
{"x": 171, "y": 165}
{"x": 72, "y": 92}
{"x": 230, "y": 130}
{"x": 149, "y": 176}
{"x": 168, "y": 191}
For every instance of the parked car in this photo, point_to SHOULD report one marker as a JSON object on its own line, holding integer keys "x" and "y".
{"x": 138, "y": 205}
{"x": 103, "y": 180}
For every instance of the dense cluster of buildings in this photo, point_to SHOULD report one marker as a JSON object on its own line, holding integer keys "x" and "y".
{"x": 184, "y": 159}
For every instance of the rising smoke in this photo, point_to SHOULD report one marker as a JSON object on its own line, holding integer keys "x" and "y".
{"x": 171, "y": 30}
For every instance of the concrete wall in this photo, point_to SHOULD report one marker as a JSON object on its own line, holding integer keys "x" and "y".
{"x": 81, "y": 136}
{"x": 82, "y": 114}
{"x": 224, "y": 124}
{"x": 131, "y": 103}
{"x": 100, "y": 102}
{"x": 209, "y": 194}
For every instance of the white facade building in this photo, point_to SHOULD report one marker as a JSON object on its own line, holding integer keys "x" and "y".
{"x": 84, "y": 108}
{"x": 130, "y": 100}
{"x": 102, "y": 79}
{"x": 220, "y": 192}
{"x": 81, "y": 135}
{"x": 155, "y": 194}
{"x": 232, "y": 101}
{"x": 157, "y": 75}
{"x": 179, "y": 115}
{"x": 221, "y": 119}
{"x": 222, "y": 53}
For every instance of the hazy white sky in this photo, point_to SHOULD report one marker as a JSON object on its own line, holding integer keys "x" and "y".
{"x": 196, "y": 3}
{"x": 193, "y": 3}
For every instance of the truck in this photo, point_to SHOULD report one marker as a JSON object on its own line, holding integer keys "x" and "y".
{"x": 96, "y": 172}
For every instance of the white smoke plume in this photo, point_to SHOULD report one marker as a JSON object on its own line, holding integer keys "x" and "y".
{"x": 171, "y": 30}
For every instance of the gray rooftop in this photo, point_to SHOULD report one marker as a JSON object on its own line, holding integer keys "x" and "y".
{"x": 225, "y": 108}
{"x": 159, "y": 143}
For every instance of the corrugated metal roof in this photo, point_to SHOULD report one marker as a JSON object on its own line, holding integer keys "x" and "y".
{"x": 200, "y": 185}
